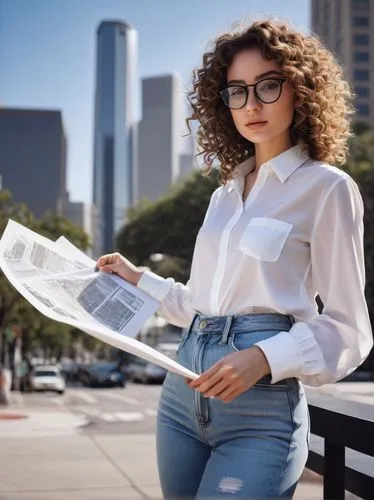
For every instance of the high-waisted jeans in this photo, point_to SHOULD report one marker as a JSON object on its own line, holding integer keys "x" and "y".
{"x": 255, "y": 446}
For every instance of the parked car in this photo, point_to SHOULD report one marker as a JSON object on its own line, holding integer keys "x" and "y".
{"x": 140, "y": 370}
{"x": 47, "y": 378}
{"x": 70, "y": 371}
{"x": 101, "y": 374}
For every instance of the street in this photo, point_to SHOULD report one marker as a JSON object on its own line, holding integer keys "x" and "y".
{"x": 100, "y": 443}
{"x": 105, "y": 410}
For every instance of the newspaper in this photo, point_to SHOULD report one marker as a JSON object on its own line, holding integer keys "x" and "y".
{"x": 61, "y": 282}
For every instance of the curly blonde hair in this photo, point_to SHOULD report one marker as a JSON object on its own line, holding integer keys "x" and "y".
{"x": 323, "y": 98}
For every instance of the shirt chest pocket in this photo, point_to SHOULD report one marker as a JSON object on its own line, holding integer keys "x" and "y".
{"x": 264, "y": 238}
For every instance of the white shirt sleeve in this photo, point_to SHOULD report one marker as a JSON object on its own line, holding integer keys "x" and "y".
{"x": 336, "y": 342}
{"x": 174, "y": 298}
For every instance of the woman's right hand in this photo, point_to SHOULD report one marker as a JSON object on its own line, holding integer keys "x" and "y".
{"x": 118, "y": 264}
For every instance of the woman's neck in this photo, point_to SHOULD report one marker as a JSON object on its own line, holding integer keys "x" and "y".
{"x": 265, "y": 151}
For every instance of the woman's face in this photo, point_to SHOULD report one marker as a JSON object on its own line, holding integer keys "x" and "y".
{"x": 258, "y": 122}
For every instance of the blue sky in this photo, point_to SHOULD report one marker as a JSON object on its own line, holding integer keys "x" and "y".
{"x": 47, "y": 53}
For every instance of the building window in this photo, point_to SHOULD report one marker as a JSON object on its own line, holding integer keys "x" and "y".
{"x": 361, "y": 39}
{"x": 360, "y": 3}
{"x": 361, "y": 56}
{"x": 362, "y": 109}
{"x": 362, "y": 91}
{"x": 361, "y": 21}
{"x": 361, "y": 75}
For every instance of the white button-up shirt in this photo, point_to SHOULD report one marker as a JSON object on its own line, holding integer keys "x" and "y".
{"x": 299, "y": 233}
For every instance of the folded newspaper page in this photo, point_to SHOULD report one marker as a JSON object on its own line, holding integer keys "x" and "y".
{"x": 60, "y": 281}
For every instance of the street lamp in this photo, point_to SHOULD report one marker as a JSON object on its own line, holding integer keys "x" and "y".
{"x": 159, "y": 257}
{"x": 156, "y": 257}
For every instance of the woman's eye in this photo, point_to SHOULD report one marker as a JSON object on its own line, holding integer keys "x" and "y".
{"x": 270, "y": 85}
{"x": 237, "y": 91}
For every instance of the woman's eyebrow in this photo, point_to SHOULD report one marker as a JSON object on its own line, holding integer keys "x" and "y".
{"x": 258, "y": 77}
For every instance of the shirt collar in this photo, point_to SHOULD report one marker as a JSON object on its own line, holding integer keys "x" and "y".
{"x": 283, "y": 165}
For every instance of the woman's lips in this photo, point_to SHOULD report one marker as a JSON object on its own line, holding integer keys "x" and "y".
{"x": 255, "y": 125}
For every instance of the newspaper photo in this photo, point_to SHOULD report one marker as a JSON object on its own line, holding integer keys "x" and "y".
{"x": 61, "y": 282}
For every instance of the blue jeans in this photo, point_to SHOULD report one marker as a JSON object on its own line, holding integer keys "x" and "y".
{"x": 255, "y": 446}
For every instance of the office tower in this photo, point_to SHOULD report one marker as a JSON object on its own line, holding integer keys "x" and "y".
{"x": 346, "y": 27}
{"x": 85, "y": 216}
{"x": 187, "y": 157}
{"x": 116, "y": 106}
{"x": 33, "y": 158}
{"x": 187, "y": 164}
{"x": 158, "y": 154}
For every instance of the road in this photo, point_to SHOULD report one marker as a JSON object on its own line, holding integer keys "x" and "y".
{"x": 131, "y": 410}
{"x": 99, "y": 443}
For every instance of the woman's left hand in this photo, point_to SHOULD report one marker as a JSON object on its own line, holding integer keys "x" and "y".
{"x": 230, "y": 376}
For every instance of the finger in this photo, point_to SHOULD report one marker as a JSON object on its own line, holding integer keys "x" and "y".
{"x": 226, "y": 371}
{"x": 238, "y": 389}
{"x": 103, "y": 260}
{"x": 218, "y": 388}
{"x": 230, "y": 393}
{"x": 206, "y": 375}
{"x": 109, "y": 268}
{"x": 210, "y": 383}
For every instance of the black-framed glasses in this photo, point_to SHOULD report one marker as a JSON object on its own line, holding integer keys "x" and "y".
{"x": 266, "y": 91}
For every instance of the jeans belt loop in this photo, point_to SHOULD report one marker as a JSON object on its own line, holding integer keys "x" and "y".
{"x": 226, "y": 330}
{"x": 190, "y": 327}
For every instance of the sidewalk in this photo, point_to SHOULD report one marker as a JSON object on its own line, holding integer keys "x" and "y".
{"x": 83, "y": 468}
{"x": 47, "y": 456}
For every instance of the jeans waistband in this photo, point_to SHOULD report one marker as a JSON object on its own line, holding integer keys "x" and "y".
{"x": 241, "y": 323}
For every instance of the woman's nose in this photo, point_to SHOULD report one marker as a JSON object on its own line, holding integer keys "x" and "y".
{"x": 252, "y": 102}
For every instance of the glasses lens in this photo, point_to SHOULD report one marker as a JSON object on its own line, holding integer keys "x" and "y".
{"x": 269, "y": 90}
{"x": 234, "y": 97}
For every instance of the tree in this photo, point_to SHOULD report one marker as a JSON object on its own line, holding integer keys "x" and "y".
{"x": 14, "y": 310}
{"x": 170, "y": 225}
{"x": 9, "y": 297}
{"x": 53, "y": 226}
{"x": 361, "y": 166}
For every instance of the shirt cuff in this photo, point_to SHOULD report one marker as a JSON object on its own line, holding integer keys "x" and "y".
{"x": 283, "y": 356}
{"x": 153, "y": 284}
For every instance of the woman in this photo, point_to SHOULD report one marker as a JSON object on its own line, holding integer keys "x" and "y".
{"x": 284, "y": 226}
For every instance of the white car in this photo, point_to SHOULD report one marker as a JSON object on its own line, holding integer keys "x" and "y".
{"x": 47, "y": 378}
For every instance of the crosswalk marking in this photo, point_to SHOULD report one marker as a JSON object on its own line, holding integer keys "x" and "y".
{"x": 122, "y": 416}
{"x": 123, "y": 399}
{"x": 129, "y": 417}
{"x": 86, "y": 397}
{"x": 108, "y": 417}
{"x": 87, "y": 410}
{"x": 150, "y": 412}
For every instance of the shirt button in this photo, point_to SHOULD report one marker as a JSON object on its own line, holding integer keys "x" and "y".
{"x": 202, "y": 324}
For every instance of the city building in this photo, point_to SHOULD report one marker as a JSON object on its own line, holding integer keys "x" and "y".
{"x": 116, "y": 115}
{"x": 158, "y": 141}
{"x": 187, "y": 164}
{"x": 187, "y": 158}
{"x": 346, "y": 28}
{"x": 86, "y": 217}
{"x": 33, "y": 158}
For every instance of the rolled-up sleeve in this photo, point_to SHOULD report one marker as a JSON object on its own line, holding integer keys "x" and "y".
{"x": 175, "y": 298}
{"x": 336, "y": 342}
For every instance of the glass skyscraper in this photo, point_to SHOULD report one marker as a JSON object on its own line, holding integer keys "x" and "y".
{"x": 347, "y": 30}
{"x": 116, "y": 108}
{"x": 158, "y": 158}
